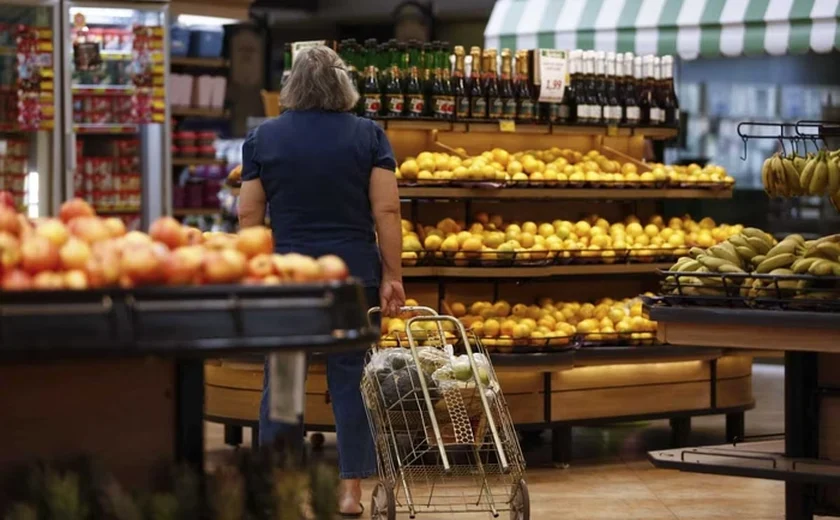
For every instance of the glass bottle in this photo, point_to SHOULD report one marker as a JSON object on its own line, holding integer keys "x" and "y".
{"x": 371, "y": 91}
{"x": 658, "y": 115}
{"x": 495, "y": 104}
{"x": 575, "y": 92}
{"x": 632, "y": 71}
{"x": 478, "y": 100}
{"x": 459, "y": 86}
{"x": 287, "y": 64}
{"x": 598, "y": 89}
{"x": 612, "y": 106}
{"x": 506, "y": 87}
{"x": 526, "y": 107}
{"x": 668, "y": 100}
{"x": 443, "y": 101}
{"x": 414, "y": 98}
{"x": 394, "y": 96}
{"x": 644, "y": 91}
{"x": 564, "y": 110}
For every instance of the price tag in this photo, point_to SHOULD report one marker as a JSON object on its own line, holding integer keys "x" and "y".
{"x": 299, "y": 46}
{"x": 507, "y": 125}
{"x": 553, "y": 68}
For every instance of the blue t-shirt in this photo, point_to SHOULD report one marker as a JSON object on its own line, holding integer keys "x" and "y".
{"x": 315, "y": 169}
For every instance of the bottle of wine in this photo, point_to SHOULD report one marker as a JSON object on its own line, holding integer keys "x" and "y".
{"x": 506, "y": 87}
{"x": 577, "y": 103}
{"x": 592, "y": 110}
{"x": 478, "y": 98}
{"x": 563, "y": 112}
{"x": 668, "y": 100}
{"x": 612, "y": 106}
{"x": 428, "y": 73}
{"x": 414, "y": 98}
{"x": 632, "y": 73}
{"x": 495, "y": 106}
{"x": 459, "y": 86}
{"x": 394, "y": 94}
{"x": 444, "y": 55}
{"x": 526, "y": 105}
{"x": 658, "y": 114}
{"x": 645, "y": 91}
{"x": 441, "y": 95}
{"x": 599, "y": 89}
{"x": 371, "y": 91}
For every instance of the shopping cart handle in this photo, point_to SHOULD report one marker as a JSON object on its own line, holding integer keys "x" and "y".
{"x": 411, "y": 308}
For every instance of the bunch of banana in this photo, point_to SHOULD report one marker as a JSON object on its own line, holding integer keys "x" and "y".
{"x": 821, "y": 175}
{"x": 780, "y": 256}
{"x": 780, "y": 177}
{"x": 820, "y": 257}
{"x": 752, "y": 245}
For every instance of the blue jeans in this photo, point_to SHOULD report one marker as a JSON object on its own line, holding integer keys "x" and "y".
{"x": 356, "y": 452}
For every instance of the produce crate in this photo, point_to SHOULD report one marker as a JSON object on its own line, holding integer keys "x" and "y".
{"x": 220, "y": 319}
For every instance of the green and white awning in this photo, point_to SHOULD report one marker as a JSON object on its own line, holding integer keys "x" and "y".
{"x": 688, "y": 28}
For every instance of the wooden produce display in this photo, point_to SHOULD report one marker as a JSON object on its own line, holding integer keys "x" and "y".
{"x": 553, "y": 386}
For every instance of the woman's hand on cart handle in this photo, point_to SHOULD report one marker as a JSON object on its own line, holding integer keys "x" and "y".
{"x": 391, "y": 298}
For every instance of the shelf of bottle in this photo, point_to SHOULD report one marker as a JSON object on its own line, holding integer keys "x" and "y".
{"x": 206, "y": 63}
{"x": 197, "y": 161}
{"x": 209, "y": 113}
{"x": 533, "y": 272}
{"x": 505, "y": 193}
{"x": 527, "y": 128}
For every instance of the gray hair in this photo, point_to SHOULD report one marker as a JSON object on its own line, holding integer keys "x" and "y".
{"x": 319, "y": 81}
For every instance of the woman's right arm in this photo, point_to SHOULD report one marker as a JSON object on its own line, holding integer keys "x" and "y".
{"x": 251, "y": 195}
{"x": 385, "y": 203}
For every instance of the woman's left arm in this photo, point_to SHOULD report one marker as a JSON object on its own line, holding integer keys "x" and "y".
{"x": 252, "y": 194}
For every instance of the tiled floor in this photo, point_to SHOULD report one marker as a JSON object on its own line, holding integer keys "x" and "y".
{"x": 611, "y": 479}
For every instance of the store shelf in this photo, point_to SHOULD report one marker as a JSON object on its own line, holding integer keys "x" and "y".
{"x": 765, "y": 460}
{"x": 196, "y": 212}
{"x": 206, "y": 63}
{"x": 536, "y": 361}
{"x": 524, "y": 128}
{"x": 105, "y": 129}
{"x": 531, "y": 272}
{"x": 209, "y": 113}
{"x": 460, "y": 193}
{"x": 110, "y": 90}
{"x": 631, "y": 355}
{"x": 197, "y": 161}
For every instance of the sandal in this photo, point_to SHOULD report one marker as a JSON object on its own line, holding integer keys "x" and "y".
{"x": 354, "y": 515}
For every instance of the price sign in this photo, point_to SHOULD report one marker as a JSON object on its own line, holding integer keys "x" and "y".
{"x": 552, "y": 66}
{"x": 507, "y": 125}
{"x": 299, "y": 46}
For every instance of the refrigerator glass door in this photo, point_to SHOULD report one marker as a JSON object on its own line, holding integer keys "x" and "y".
{"x": 29, "y": 104}
{"x": 117, "y": 138}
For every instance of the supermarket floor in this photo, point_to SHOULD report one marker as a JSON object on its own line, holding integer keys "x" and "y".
{"x": 611, "y": 479}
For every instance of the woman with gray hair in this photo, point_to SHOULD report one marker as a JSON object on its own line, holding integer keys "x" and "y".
{"x": 328, "y": 179}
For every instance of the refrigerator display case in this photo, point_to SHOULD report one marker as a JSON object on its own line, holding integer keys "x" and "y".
{"x": 30, "y": 97}
{"x": 117, "y": 137}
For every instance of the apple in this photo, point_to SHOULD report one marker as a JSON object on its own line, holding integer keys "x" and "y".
{"x": 253, "y": 281}
{"x": 48, "y": 281}
{"x": 16, "y": 280}
{"x": 260, "y": 266}
{"x": 141, "y": 264}
{"x": 224, "y": 266}
{"x": 74, "y": 254}
{"x": 7, "y": 200}
{"x": 136, "y": 238}
{"x": 76, "y": 280}
{"x": 89, "y": 229}
{"x": 183, "y": 266}
{"x": 194, "y": 236}
{"x": 333, "y": 268}
{"x": 10, "y": 255}
{"x": 168, "y": 231}
{"x": 9, "y": 221}
{"x": 272, "y": 280}
{"x": 303, "y": 268}
{"x": 218, "y": 241}
{"x": 54, "y": 230}
{"x": 282, "y": 266}
{"x": 254, "y": 241}
{"x": 25, "y": 226}
{"x": 39, "y": 254}
{"x": 103, "y": 270}
{"x": 116, "y": 227}
{"x": 75, "y": 208}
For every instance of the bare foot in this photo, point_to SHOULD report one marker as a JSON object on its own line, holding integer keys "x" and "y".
{"x": 350, "y": 501}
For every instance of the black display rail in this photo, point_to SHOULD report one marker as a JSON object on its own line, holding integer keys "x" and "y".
{"x": 183, "y": 321}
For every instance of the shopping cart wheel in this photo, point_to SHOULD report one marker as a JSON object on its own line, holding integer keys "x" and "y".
{"x": 520, "y": 502}
{"x": 382, "y": 503}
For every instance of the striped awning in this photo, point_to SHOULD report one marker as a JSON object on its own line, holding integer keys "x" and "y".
{"x": 688, "y": 28}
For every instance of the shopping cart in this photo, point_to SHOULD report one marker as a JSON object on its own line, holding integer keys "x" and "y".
{"x": 445, "y": 443}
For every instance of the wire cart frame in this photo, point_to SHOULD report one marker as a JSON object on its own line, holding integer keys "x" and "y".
{"x": 442, "y": 448}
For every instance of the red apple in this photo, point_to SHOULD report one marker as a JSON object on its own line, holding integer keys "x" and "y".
{"x": 183, "y": 266}
{"x": 141, "y": 264}
{"x": 272, "y": 280}
{"x": 75, "y": 208}
{"x": 16, "y": 280}
{"x": 218, "y": 241}
{"x": 103, "y": 270}
{"x": 136, "y": 238}
{"x": 48, "y": 281}
{"x": 74, "y": 254}
{"x": 54, "y": 230}
{"x": 39, "y": 254}
{"x": 116, "y": 227}
{"x": 260, "y": 266}
{"x": 303, "y": 268}
{"x": 333, "y": 268}
{"x": 169, "y": 231}
{"x": 9, "y": 221}
{"x": 282, "y": 266}
{"x": 76, "y": 280}
{"x": 7, "y": 200}
{"x": 27, "y": 229}
{"x": 225, "y": 266}
{"x": 254, "y": 241}
{"x": 194, "y": 236}
{"x": 10, "y": 255}
{"x": 89, "y": 229}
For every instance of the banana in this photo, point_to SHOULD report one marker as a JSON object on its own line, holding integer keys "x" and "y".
{"x": 783, "y": 247}
{"x": 747, "y": 253}
{"x": 798, "y": 162}
{"x": 799, "y": 239}
{"x": 694, "y": 252}
{"x": 758, "y": 234}
{"x": 807, "y": 174}
{"x": 730, "y": 268}
{"x": 801, "y": 265}
{"x": 828, "y": 238}
{"x": 769, "y": 188}
{"x": 835, "y": 200}
{"x": 821, "y": 268}
{"x": 833, "y": 177}
{"x": 831, "y": 250}
{"x": 761, "y": 247}
{"x": 775, "y": 262}
{"x": 726, "y": 251}
{"x": 687, "y": 267}
{"x": 757, "y": 259}
{"x": 713, "y": 263}
{"x": 777, "y": 170}
{"x": 791, "y": 177}
{"x": 739, "y": 241}
{"x": 819, "y": 182}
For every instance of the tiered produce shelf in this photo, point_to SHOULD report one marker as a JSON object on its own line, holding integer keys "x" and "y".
{"x": 548, "y": 192}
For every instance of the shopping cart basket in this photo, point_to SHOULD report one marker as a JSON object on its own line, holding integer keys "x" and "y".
{"x": 444, "y": 438}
